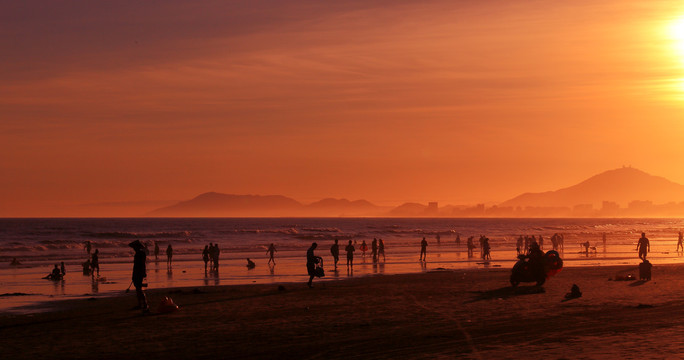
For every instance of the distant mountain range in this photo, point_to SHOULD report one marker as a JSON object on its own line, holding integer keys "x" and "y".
{"x": 620, "y": 186}
{"x": 612, "y": 190}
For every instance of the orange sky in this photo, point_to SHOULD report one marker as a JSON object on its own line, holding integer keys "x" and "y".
{"x": 390, "y": 101}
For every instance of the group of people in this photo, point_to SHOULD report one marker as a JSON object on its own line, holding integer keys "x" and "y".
{"x": 92, "y": 265}
{"x": 377, "y": 250}
{"x": 210, "y": 256}
{"x": 57, "y": 273}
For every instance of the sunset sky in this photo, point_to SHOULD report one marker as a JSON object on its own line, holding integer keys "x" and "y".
{"x": 389, "y": 101}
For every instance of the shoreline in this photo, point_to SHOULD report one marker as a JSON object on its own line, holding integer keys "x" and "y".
{"x": 465, "y": 313}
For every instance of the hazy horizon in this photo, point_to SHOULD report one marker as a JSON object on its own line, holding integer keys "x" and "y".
{"x": 389, "y": 101}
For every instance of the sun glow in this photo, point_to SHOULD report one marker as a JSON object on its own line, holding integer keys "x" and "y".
{"x": 676, "y": 34}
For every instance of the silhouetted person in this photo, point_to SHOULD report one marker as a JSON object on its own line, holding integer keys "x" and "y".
{"x": 536, "y": 258}
{"x": 56, "y": 273}
{"x": 541, "y": 242}
{"x": 169, "y": 255}
{"x": 139, "y": 274}
{"x": 211, "y": 256}
{"x": 586, "y": 247}
{"x": 381, "y": 249}
{"x": 423, "y": 250}
{"x": 270, "y": 251}
{"x": 374, "y": 249}
{"x": 15, "y": 262}
{"x": 574, "y": 292}
{"x": 217, "y": 254}
{"x": 62, "y": 268}
{"x": 156, "y": 251}
{"x": 364, "y": 248}
{"x": 458, "y": 239}
{"x": 95, "y": 262}
{"x": 311, "y": 261}
{"x": 205, "y": 257}
{"x": 603, "y": 239}
{"x": 439, "y": 239}
{"x": 643, "y": 247}
{"x": 87, "y": 247}
{"x": 679, "y": 242}
{"x": 554, "y": 241}
{"x": 250, "y": 264}
{"x": 471, "y": 246}
{"x": 350, "y": 255}
{"x": 486, "y": 249}
{"x": 86, "y": 267}
{"x": 519, "y": 245}
{"x": 335, "y": 252}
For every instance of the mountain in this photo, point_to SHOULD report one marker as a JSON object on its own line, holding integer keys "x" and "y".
{"x": 620, "y": 186}
{"x": 214, "y": 204}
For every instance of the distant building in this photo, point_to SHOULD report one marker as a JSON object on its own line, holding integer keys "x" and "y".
{"x": 432, "y": 209}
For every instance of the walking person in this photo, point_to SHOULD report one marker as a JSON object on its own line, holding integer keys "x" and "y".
{"x": 95, "y": 262}
{"x": 643, "y": 247}
{"x": 270, "y": 251}
{"x": 679, "y": 242}
{"x": 169, "y": 255}
{"x": 423, "y": 250}
{"x": 335, "y": 252}
{"x": 205, "y": 257}
{"x": 350, "y": 255}
{"x": 311, "y": 261}
{"x": 139, "y": 274}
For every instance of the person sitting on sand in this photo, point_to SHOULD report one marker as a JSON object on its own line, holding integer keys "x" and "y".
{"x": 423, "y": 250}
{"x": 56, "y": 274}
{"x": 574, "y": 292}
{"x": 643, "y": 246}
{"x": 15, "y": 262}
{"x": 311, "y": 261}
{"x": 250, "y": 264}
{"x": 350, "y": 255}
{"x": 271, "y": 250}
{"x": 335, "y": 252}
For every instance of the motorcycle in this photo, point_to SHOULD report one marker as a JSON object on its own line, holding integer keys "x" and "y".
{"x": 527, "y": 270}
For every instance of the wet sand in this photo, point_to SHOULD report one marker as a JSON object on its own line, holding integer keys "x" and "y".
{"x": 471, "y": 314}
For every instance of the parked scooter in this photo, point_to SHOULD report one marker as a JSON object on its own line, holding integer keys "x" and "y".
{"x": 530, "y": 268}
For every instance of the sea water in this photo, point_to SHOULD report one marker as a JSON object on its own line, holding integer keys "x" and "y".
{"x": 40, "y": 243}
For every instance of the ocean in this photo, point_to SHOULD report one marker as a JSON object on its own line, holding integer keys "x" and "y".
{"x": 40, "y": 243}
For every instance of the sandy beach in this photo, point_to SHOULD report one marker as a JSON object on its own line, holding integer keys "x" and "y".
{"x": 472, "y": 314}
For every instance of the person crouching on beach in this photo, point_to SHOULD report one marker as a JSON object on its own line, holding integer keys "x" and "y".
{"x": 139, "y": 274}
{"x": 311, "y": 261}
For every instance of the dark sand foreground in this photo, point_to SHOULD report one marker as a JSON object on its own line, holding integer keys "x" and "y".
{"x": 444, "y": 314}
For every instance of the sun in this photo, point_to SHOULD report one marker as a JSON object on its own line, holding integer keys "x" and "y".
{"x": 676, "y": 35}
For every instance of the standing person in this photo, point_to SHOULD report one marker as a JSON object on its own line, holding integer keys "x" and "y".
{"x": 458, "y": 239}
{"x": 679, "y": 242}
{"x": 381, "y": 249}
{"x": 423, "y": 250}
{"x": 485, "y": 249}
{"x": 439, "y": 239}
{"x": 95, "y": 262}
{"x": 169, "y": 255}
{"x": 541, "y": 242}
{"x": 270, "y": 251}
{"x": 470, "y": 246}
{"x": 139, "y": 274}
{"x": 335, "y": 252}
{"x": 156, "y": 250}
{"x": 603, "y": 238}
{"x": 374, "y": 249}
{"x": 211, "y": 256}
{"x": 643, "y": 247}
{"x": 311, "y": 261}
{"x": 364, "y": 248}
{"x": 519, "y": 245}
{"x": 217, "y": 252}
{"x": 62, "y": 268}
{"x": 350, "y": 255}
{"x": 87, "y": 247}
{"x": 205, "y": 257}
